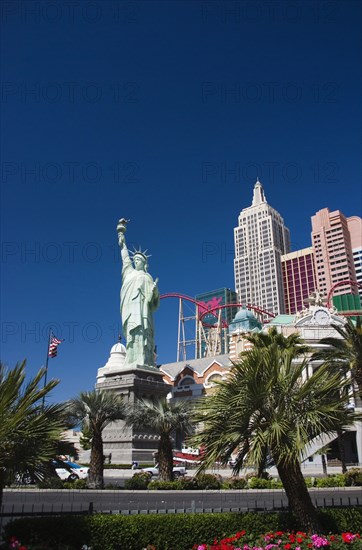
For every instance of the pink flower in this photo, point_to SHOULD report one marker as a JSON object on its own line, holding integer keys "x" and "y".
{"x": 318, "y": 541}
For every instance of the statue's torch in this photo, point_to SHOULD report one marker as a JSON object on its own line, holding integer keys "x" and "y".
{"x": 121, "y": 229}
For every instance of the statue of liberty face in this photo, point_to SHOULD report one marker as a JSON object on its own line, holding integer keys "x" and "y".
{"x": 139, "y": 262}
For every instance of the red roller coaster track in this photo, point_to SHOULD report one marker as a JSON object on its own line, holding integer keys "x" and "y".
{"x": 248, "y": 306}
{"x": 205, "y": 311}
{"x": 340, "y": 283}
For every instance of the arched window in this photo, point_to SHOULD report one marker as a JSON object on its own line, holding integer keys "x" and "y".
{"x": 216, "y": 376}
{"x": 187, "y": 381}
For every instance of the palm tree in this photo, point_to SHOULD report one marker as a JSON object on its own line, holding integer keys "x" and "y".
{"x": 164, "y": 419}
{"x": 29, "y": 431}
{"x": 267, "y": 403}
{"x": 345, "y": 352}
{"x": 262, "y": 340}
{"x": 95, "y": 410}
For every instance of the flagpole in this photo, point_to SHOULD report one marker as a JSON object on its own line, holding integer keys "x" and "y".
{"x": 46, "y": 365}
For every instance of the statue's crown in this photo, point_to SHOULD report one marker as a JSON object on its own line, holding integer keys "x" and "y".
{"x": 139, "y": 252}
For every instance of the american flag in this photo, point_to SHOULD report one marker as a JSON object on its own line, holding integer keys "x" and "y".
{"x": 54, "y": 343}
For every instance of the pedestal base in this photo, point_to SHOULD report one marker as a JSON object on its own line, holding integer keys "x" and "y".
{"x": 133, "y": 382}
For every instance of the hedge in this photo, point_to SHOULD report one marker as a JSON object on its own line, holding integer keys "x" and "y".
{"x": 213, "y": 481}
{"x": 166, "y": 532}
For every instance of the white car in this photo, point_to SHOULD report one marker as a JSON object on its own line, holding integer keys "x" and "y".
{"x": 69, "y": 471}
{"x": 177, "y": 471}
{"x": 81, "y": 471}
{"x": 66, "y": 470}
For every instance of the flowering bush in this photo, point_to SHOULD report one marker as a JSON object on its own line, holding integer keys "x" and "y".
{"x": 285, "y": 541}
{"x": 14, "y": 543}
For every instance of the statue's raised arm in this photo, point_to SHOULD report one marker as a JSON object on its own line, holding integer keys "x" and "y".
{"x": 139, "y": 299}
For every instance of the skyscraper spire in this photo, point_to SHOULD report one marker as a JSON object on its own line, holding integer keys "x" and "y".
{"x": 258, "y": 195}
{"x": 260, "y": 239}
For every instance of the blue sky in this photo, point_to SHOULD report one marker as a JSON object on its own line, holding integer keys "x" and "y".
{"x": 164, "y": 113}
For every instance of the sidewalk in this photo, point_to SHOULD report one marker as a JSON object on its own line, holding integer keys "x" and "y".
{"x": 307, "y": 470}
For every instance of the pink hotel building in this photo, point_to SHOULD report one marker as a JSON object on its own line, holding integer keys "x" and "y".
{"x": 334, "y": 238}
{"x": 336, "y": 255}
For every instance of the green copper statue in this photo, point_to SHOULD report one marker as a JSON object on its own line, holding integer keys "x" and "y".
{"x": 139, "y": 299}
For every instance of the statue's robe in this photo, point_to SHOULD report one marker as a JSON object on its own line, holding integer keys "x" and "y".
{"x": 139, "y": 298}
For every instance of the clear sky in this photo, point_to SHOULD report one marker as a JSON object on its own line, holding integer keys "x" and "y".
{"x": 164, "y": 112}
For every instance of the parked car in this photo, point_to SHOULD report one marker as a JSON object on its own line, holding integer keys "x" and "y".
{"x": 64, "y": 471}
{"x": 177, "y": 471}
{"x": 81, "y": 471}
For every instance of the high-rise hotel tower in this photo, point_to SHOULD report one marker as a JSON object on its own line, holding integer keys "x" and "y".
{"x": 337, "y": 247}
{"x": 260, "y": 240}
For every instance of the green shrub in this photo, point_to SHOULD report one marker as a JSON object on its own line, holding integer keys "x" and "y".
{"x": 77, "y": 484}
{"x": 235, "y": 483}
{"x": 337, "y": 480}
{"x": 202, "y": 482}
{"x": 339, "y": 520}
{"x": 187, "y": 483}
{"x": 258, "y": 483}
{"x": 310, "y": 481}
{"x": 275, "y": 484}
{"x": 353, "y": 477}
{"x": 165, "y": 485}
{"x": 264, "y": 475}
{"x": 166, "y": 532}
{"x": 140, "y": 480}
{"x": 206, "y": 481}
{"x": 118, "y": 532}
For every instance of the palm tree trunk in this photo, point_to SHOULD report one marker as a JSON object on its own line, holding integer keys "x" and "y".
{"x": 262, "y": 463}
{"x": 165, "y": 458}
{"x": 299, "y": 499}
{"x": 95, "y": 475}
{"x": 342, "y": 454}
{"x": 324, "y": 464}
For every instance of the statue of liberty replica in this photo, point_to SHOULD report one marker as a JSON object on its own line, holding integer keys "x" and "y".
{"x": 130, "y": 370}
{"x": 139, "y": 299}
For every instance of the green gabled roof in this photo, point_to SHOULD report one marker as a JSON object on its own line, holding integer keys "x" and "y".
{"x": 283, "y": 319}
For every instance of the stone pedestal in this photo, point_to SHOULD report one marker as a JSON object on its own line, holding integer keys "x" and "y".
{"x": 140, "y": 382}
